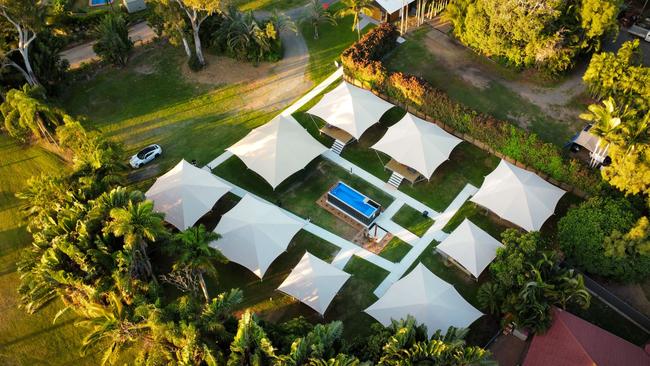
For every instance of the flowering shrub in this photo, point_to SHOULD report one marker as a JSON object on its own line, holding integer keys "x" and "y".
{"x": 362, "y": 61}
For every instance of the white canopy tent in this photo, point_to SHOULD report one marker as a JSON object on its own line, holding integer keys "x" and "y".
{"x": 426, "y": 297}
{"x": 255, "y": 233}
{"x": 391, "y": 6}
{"x": 277, "y": 149}
{"x": 314, "y": 282}
{"x": 418, "y": 144}
{"x": 185, "y": 193}
{"x": 471, "y": 247}
{"x": 351, "y": 109}
{"x": 518, "y": 196}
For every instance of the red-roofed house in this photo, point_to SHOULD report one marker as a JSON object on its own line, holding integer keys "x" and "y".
{"x": 572, "y": 341}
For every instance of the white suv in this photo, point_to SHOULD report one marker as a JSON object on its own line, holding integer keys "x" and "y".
{"x": 145, "y": 155}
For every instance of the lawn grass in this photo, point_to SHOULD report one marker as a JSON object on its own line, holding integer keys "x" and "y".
{"x": 191, "y": 121}
{"x": 300, "y": 192}
{"x": 332, "y": 40}
{"x": 28, "y": 339}
{"x": 395, "y": 250}
{"x": 267, "y": 5}
{"x": 412, "y": 220}
{"x": 479, "y": 216}
{"x": 495, "y": 99}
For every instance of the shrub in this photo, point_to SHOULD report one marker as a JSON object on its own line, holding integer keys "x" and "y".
{"x": 113, "y": 43}
{"x": 362, "y": 61}
{"x": 582, "y": 234}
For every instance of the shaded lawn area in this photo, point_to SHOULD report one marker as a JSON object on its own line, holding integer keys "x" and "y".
{"x": 495, "y": 99}
{"x": 332, "y": 41}
{"x": 28, "y": 339}
{"x": 412, "y": 220}
{"x": 395, "y": 250}
{"x": 300, "y": 192}
{"x": 268, "y": 5}
{"x": 158, "y": 105}
{"x": 489, "y": 222}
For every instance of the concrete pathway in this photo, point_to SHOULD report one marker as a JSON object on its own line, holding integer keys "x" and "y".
{"x": 139, "y": 33}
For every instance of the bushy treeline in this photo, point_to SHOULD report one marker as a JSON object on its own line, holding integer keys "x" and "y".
{"x": 362, "y": 61}
{"x": 545, "y": 34}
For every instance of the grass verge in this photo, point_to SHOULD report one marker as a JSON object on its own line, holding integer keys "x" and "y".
{"x": 412, "y": 220}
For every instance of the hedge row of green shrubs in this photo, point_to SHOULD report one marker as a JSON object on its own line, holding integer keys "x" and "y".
{"x": 363, "y": 62}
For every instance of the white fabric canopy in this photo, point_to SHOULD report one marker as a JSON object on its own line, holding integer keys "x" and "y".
{"x": 255, "y": 233}
{"x": 277, "y": 149}
{"x": 351, "y": 109}
{"x": 471, "y": 247}
{"x": 418, "y": 144}
{"x": 391, "y": 6}
{"x": 185, "y": 193}
{"x": 518, "y": 196}
{"x": 314, "y": 282}
{"x": 432, "y": 301}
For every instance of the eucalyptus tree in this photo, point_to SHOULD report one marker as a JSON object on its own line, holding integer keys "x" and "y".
{"x": 356, "y": 8}
{"x": 316, "y": 15}
{"x": 25, "y": 16}
{"x": 197, "y": 11}
{"x": 168, "y": 20}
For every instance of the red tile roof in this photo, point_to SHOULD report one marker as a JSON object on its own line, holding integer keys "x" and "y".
{"x": 572, "y": 341}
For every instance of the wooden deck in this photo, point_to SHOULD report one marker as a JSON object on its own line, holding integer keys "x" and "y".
{"x": 337, "y": 134}
{"x": 409, "y": 174}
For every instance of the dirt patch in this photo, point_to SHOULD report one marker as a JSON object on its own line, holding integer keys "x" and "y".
{"x": 474, "y": 76}
{"x": 145, "y": 69}
{"x": 224, "y": 70}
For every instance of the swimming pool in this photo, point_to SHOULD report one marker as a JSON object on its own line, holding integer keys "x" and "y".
{"x": 99, "y": 2}
{"x": 353, "y": 203}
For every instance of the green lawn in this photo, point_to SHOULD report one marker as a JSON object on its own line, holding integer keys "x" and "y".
{"x": 482, "y": 218}
{"x": 150, "y": 101}
{"x": 28, "y": 339}
{"x": 332, "y": 40}
{"x": 496, "y": 99}
{"x": 395, "y": 250}
{"x": 268, "y": 5}
{"x": 412, "y": 220}
{"x": 300, "y": 192}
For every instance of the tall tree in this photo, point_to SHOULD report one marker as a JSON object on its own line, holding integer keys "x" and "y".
{"x": 197, "y": 11}
{"x": 194, "y": 253}
{"x": 317, "y": 14}
{"x": 356, "y": 8}
{"x": 251, "y": 346}
{"x": 26, "y": 115}
{"x": 26, "y": 18}
{"x": 168, "y": 19}
{"x": 113, "y": 43}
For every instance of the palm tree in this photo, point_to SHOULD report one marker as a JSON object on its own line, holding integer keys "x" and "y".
{"x": 317, "y": 344}
{"x": 339, "y": 360}
{"x": 251, "y": 346}
{"x": 316, "y": 15}
{"x": 195, "y": 253}
{"x": 282, "y": 22}
{"x": 489, "y": 297}
{"x": 138, "y": 223}
{"x": 112, "y": 324}
{"x": 356, "y": 8}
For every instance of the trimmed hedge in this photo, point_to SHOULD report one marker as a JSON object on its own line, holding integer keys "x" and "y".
{"x": 362, "y": 62}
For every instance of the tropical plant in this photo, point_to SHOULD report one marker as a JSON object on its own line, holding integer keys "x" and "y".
{"x": 607, "y": 120}
{"x": 113, "y": 43}
{"x": 193, "y": 253}
{"x": 251, "y": 346}
{"x": 317, "y": 14}
{"x": 26, "y": 115}
{"x": 355, "y": 8}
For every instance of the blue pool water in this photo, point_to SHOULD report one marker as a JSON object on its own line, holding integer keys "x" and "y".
{"x": 353, "y": 198}
{"x": 100, "y": 2}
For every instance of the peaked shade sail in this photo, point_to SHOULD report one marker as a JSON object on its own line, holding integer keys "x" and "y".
{"x": 277, "y": 149}
{"x": 426, "y": 297}
{"x": 518, "y": 196}
{"x": 471, "y": 247}
{"x": 391, "y": 6}
{"x": 185, "y": 193}
{"x": 314, "y": 282}
{"x": 418, "y": 144}
{"x": 255, "y": 233}
{"x": 351, "y": 109}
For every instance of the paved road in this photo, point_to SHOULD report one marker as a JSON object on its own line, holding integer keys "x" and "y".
{"x": 139, "y": 33}
{"x": 624, "y": 36}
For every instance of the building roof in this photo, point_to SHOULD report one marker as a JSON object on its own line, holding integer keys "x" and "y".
{"x": 255, "y": 233}
{"x": 518, "y": 196}
{"x": 429, "y": 299}
{"x": 277, "y": 149}
{"x": 185, "y": 193}
{"x": 572, "y": 341}
{"x": 391, "y": 6}
{"x": 314, "y": 282}
{"x": 351, "y": 109}
{"x": 471, "y": 247}
{"x": 428, "y": 145}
